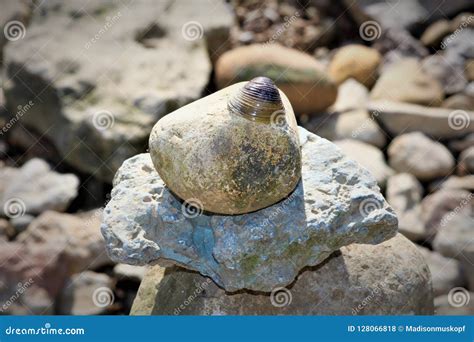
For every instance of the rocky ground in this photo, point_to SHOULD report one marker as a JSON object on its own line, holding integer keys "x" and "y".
{"x": 390, "y": 82}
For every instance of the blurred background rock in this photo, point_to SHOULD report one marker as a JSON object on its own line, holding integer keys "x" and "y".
{"x": 391, "y": 82}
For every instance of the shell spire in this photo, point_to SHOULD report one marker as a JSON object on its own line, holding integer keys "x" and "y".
{"x": 257, "y": 99}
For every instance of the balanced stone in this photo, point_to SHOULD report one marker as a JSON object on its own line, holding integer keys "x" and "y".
{"x": 336, "y": 203}
{"x": 232, "y": 152}
{"x": 387, "y": 279}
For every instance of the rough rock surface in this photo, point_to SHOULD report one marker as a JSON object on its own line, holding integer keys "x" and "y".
{"x": 35, "y": 188}
{"x": 387, "y": 279}
{"x": 86, "y": 293}
{"x": 368, "y": 156}
{"x": 445, "y": 272}
{"x": 417, "y": 154}
{"x": 439, "y": 123}
{"x": 355, "y": 61}
{"x": 222, "y": 162}
{"x": 336, "y": 203}
{"x": 405, "y": 81}
{"x": 404, "y": 194}
{"x": 102, "y": 79}
{"x": 297, "y": 74}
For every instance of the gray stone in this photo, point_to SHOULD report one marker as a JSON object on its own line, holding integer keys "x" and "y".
{"x": 404, "y": 194}
{"x": 405, "y": 81}
{"x": 35, "y": 188}
{"x": 86, "y": 293}
{"x": 336, "y": 203}
{"x": 440, "y": 211}
{"x": 459, "y": 101}
{"x": 369, "y": 157}
{"x": 438, "y": 123}
{"x": 359, "y": 125}
{"x": 351, "y": 95}
{"x": 454, "y": 182}
{"x": 445, "y": 272}
{"x": 387, "y": 279}
{"x": 417, "y": 154}
{"x": 104, "y": 77}
{"x": 450, "y": 74}
{"x": 466, "y": 161}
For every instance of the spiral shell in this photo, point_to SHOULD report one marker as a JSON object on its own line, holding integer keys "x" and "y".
{"x": 257, "y": 100}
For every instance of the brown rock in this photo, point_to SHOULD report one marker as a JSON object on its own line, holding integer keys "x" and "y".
{"x": 435, "y": 33}
{"x": 297, "y": 74}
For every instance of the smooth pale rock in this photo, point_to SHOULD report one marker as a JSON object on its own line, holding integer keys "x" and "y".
{"x": 389, "y": 278}
{"x": 86, "y": 293}
{"x": 35, "y": 188}
{"x": 459, "y": 101}
{"x": 466, "y": 161}
{"x": 417, "y": 154}
{"x": 77, "y": 237}
{"x": 455, "y": 182}
{"x": 351, "y": 95}
{"x": 297, "y": 74}
{"x": 368, "y": 156}
{"x": 464, "y": 306}
{"x": 124, "y": 271}
{"x": 405, "y": 81}
{"x": 223, "y": 162}
{"x": 445, "y": 272}
{"x": 439, "y": 123}
{"x": 359, "y": 125}
{"x": 440, "y": 208}
{"x": 404, "y": 193}
{"x": 355, "y": 61}
{"x": 458, "y": 145}
{"x": 336, "y": 203}
{"x": 434, "y": 34}
{"x": 103, "y": 77}
{"x": 449, "y": 73}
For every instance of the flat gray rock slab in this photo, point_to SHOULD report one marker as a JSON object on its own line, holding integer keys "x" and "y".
{"x": 336, "y": 203}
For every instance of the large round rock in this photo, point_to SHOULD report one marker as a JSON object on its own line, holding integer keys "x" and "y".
{"x": 224, "y": 162}
{"x": 391, "y": 278}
